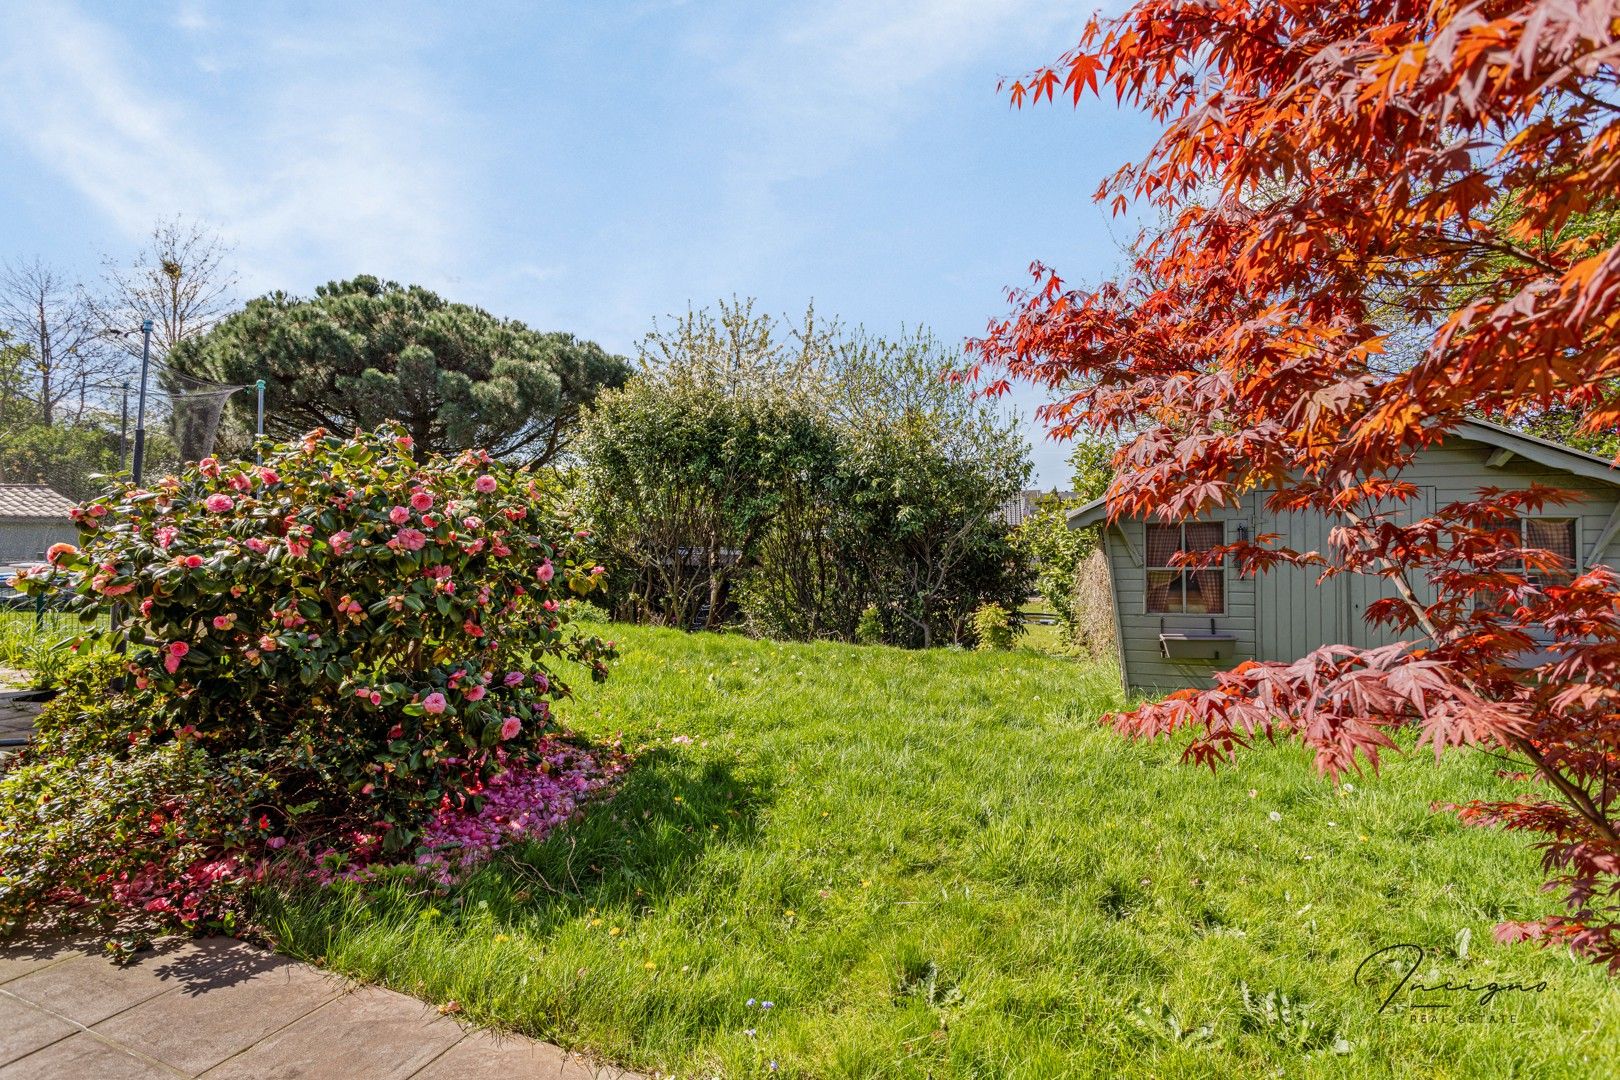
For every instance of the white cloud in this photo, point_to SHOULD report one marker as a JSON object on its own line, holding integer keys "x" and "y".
{"x": 822, "y": 86}
{"x": 314, "y": 156}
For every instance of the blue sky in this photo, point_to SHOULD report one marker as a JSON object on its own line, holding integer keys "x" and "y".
{"x": 584, "y": 166}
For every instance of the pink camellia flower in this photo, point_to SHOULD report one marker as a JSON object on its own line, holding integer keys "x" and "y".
{"x": 546, "y": 571}
{"x": 240, "y": 482}
{"x": 219, "y": 503}
{"x": 434, "y": 703}
{"x": 408, "y": 540}
{"x": 430, "y": 521}
{"x": 58, "y": 552}
{"x": 165, "y": 536}
{"x": 376, "y": 698}
{"x": 193, "y": 561}
{"x": 404, "y": 442}
{"x": 500, "y": 549}
{"x": 173, "y": 655}
{"x": 341, "y": 542}
{"x": 510, "y": 727}
{"x": 484, "y": 484}
{"x": 472, "y": 521}
{"x": 472, "y": 629}
{"x": 257, "y": 546}
{"x": 224, "y": 622}
{"x": 513, "y": 678}
{"x": 209, "y": 467}
{"x": 298, "y": 546}
{"x": 421, "y": 500}
{"x": 268, "y": 643}
{"x": 399, "y": 515}
{"x": 269, "y": 476}
{"x": 146, "y": 608}
{"x": 541, "y": 681}
{"x": 551, "y": 605}
{"x": 474, "y": 692}
{"x": 598, "y": 570}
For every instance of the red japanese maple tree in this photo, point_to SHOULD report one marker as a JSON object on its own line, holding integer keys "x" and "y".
{"x": 1379, "y": 219}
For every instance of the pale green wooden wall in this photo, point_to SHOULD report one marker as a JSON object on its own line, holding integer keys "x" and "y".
{"x": 1285, "y": 614}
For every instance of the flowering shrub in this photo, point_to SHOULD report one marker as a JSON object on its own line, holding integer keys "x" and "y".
{"x": 377, "y": 633}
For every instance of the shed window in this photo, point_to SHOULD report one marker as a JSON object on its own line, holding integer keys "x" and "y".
{"x": 1556, "y": 535}
{"x": 1175, "y": 590}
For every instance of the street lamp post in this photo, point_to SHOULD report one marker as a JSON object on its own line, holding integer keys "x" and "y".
{"x": 123, "y": 425}
{"x": 258, "y": 455}
{"x": 140, "y": 408}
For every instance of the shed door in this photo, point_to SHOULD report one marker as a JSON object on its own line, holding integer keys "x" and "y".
{"x": 1363, "y": 589}
{"x": 1294, "y": 613}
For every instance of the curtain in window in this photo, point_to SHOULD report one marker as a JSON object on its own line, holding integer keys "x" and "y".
{"x": 1163, "y": 541}
{"x": 1202, "y": 537}
{"x": 1556, "y": 535}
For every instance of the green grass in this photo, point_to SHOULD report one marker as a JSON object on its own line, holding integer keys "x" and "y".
{"x": 37, "y": 645}
{"x": 938, "y": 865}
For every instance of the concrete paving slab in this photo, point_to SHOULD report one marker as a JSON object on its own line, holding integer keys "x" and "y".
{"x": 22, "y": 959}
{"x": 25, "y": 1028}
{"x": 369, "y": 1034}
{"x": 87, "y": 989}
{"x": 483, "y": 1054}
{"x": 84, "y": 1057}
{"x": 204, "y": 1021}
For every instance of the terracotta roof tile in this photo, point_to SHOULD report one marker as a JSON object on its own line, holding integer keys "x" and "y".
{"x": 32, "y": 501}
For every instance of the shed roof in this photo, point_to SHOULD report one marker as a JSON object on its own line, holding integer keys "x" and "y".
{"x": 1530, "y": 447}
{"x": 33, "y": 502}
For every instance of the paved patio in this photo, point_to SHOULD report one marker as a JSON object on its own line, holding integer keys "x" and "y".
{"x": 225, "y": 1010}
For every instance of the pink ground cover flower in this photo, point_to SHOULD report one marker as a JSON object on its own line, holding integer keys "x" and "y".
{"x": 521, "y": 804}
{"x": 218, "y": 504}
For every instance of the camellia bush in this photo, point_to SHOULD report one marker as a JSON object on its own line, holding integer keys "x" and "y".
{"x": 335, "y": 652}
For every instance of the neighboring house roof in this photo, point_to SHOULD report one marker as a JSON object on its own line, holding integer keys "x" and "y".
{"x": 33, "y": 502}
{"x": 1507, "y": 442}
{"x": 1023, "y": 505}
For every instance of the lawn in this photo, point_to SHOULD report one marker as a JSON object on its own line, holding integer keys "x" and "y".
{"x": 37, "y": 644}
{"x": 938, "y": 865}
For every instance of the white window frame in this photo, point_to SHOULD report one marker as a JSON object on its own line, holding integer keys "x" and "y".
{"x": 1148, "y": 570}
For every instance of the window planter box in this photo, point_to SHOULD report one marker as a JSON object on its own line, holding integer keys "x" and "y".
{"x": 1193, "y": 645}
